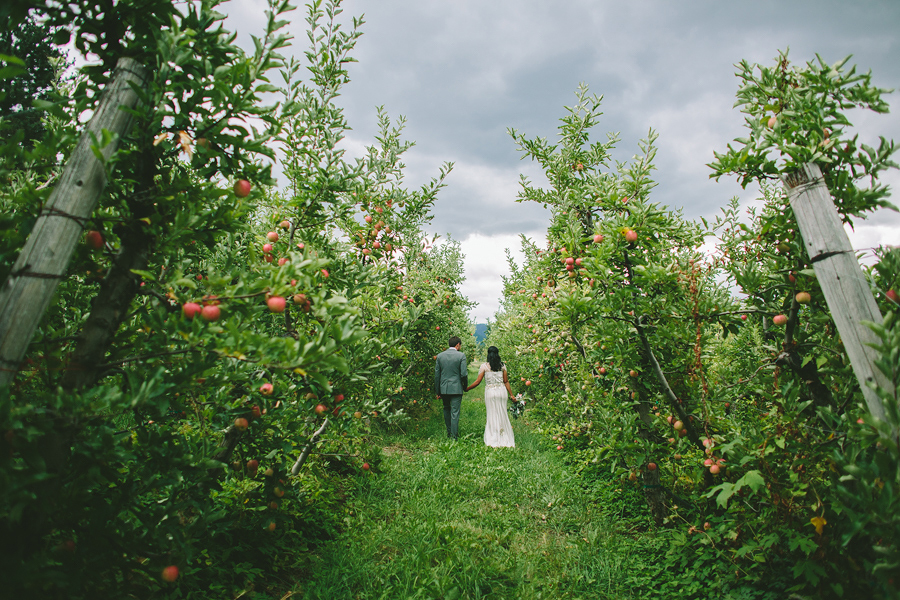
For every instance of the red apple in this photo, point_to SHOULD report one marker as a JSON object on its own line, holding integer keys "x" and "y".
{"x": 598, "y": 238}
{"x": 242, "y": 188}
{"x": 266, "y": 389}
{"x": 170, "y": 573}
{"x": 282, "y": 261}
{"x": 603, "y": 370}
{"x": 191, "y": 309}
{"x": 893, "y": 296}
{"x": 285, "y": 224}
{"x": 368, "y": 218}
{"x": 714, "y": 469}
{"x": 271, "y": 526}
{"x": 268, "y": 258}
{"x": 779, "y": 319}
{"x": 527, "y": 383}
{"x": 578, "y": 262}
{"x": 570, "y": 260}
{"x": 252, "y": 466}
{"x": 773, "y": 120}
{"x": 267, "y": 248}
{"x": 743, "y": 317}
{"x": 631, "y": 236}
{"x": 94, "y": 239}
{"x": 321, "y": 409}
{"x": 678, "y": 425}
{"x": 241, "y": 423}
{"x": 802, "y": 297}
{"x": 365, "y": 466}
{"x": 211, "y": 312}
{"x": 357, "y": 415}
{"x": 278, "y": 492}
{"x": 272, "y": 236}
{"x": 633, "y": 373}
{"x": 651, "y": 466}
{"x": 256, "y": 412}
{"x": 276, "y": 304}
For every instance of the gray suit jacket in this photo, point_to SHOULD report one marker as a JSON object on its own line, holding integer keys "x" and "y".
{"x": 451, "y": 377}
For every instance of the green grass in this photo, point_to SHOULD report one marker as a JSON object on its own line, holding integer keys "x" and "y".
{"x": 443, "y": 519}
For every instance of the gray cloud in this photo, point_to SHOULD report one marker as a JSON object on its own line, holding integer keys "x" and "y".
{"x": 462, "y": 72}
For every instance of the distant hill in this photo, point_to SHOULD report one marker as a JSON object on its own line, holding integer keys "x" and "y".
{"x": 481, "y": 330}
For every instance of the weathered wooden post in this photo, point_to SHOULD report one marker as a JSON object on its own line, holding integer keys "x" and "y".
{"x": 28, "y": 290}
{"x": 846, "y": 290}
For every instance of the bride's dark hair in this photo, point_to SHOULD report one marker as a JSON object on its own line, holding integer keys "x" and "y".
{"x": 493, "y": 358}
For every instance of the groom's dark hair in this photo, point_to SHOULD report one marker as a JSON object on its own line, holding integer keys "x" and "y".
{"x": 454, "y": 341}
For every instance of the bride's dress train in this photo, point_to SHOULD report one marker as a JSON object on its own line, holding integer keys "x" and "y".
{"x": 497, "y": 429}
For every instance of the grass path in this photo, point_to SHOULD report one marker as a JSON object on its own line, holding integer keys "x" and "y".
{"x": 444, "y": 519}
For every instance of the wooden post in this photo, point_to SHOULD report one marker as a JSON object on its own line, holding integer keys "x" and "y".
{"x": 846, "y": 290}
{"x": 31, "y": 284}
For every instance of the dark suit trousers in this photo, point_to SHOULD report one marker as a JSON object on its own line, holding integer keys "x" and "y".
{"x": 452, "y": 407}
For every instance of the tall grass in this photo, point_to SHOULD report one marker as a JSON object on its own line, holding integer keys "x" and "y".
{"x": 444, "y": 519}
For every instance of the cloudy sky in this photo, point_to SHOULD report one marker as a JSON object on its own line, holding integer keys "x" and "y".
{"x": 463, "y": 71}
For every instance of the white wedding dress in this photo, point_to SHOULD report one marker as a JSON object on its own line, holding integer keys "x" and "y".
{"x": 498, "y": 431}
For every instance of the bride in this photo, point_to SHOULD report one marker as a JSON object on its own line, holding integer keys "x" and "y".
{"x": 497, "y": 430}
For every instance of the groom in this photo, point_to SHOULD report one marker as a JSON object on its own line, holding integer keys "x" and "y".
{"x": 451, "y": 378}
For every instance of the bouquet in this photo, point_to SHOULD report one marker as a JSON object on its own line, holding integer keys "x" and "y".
{"x": 517, "y": 407}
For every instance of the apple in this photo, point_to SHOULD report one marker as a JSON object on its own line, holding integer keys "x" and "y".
{"x": 170, "y": 573}
{"x": 191, "y": 309}
{"x": 651, "y": 466}
{"x": 272, "y": 236}
{"x": 256, "y": 412}
{"x": 211, "y": 312}
{"x": 273, "y": 505}
{"x": 321, "y": 409}
{"x": 570, "y": 260}
{"x": 633, "y": 373}
{"x": 267, "y": 248}
{"x": 242, "y": 188}
{"x": 802, "y": 297}
{"x": 266, "y": 389}
{"x": 773, "y": 120}
{"x": 271, "y": 526}
{"x": 678, "y": 425}
{"x": 278, "y": 492}
{"x": 527, "y": 383}
{"x": 285, "y": 224}
{"x": 559, "y": 447}
{"x": 708, "y": 462}
{"x": 893, "y": 296}
{"x": 743, "y": 317}
{"x": 779, "y": 319}
{"x": 603, "y": 370}
{"x": 241, "y": 423}
{"x": 325, "y": 274}
{"x": 94, "y": 239}
{"x": 269, "y": 258}
{"x": 276, "y": 304}
{"x": 631, "y": 235}
{"x": 368, "y": 218}
{"x": 269, "y": 472}
{"x": 365, "y": 466}
{"x": 282, "y": 261}
{"x": 714, "y": 469}
{"x": 598, "y": 238}
{"x": 338, "y": 398}
{"x": 578, "y": 262}
{"x": 252, "y": 466}
{"x": 358, "y": 415}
